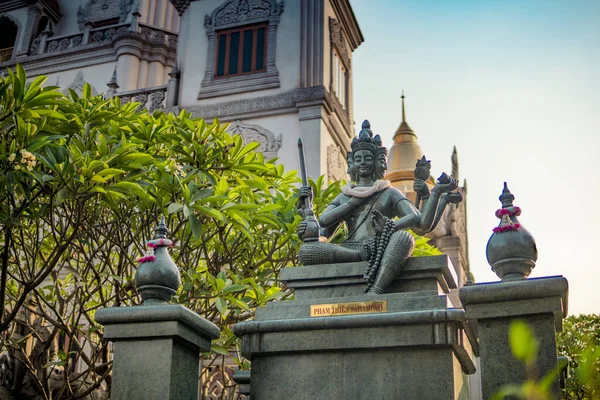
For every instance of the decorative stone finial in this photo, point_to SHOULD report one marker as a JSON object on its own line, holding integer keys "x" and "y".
{"x": 112, "y": 84}
{"x": 157, "y": 278}
{"x": 511, "y": 250}
{"x": 113, "y": 80}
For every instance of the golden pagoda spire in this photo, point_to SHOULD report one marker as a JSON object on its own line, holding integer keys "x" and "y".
{"x": 403, "y": 113}
{"x": 404, "y": 128}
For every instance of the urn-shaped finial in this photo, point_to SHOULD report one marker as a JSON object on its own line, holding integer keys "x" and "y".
{"x": 157, "y": 278}
{"x": 511, "y": 250}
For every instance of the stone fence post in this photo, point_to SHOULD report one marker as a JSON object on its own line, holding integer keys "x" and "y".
{"x": 156, "y": 345}
{"x": 491, "y": 307}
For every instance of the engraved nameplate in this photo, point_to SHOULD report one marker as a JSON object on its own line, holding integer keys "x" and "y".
{"x": 366, "y": 307}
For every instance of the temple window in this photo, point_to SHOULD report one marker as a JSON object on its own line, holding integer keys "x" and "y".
{"x": 339, "y": 78}
{"x": 242, "y": 41}
{"x": 8, "y": 37}
{"x": 241, "y": 51}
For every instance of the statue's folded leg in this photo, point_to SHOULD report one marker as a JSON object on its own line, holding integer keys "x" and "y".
{"x": 398, "y": 250}
{"x": 312, "y": 253}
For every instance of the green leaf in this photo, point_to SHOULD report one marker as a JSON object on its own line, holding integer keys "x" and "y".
{"x": 211, "y": 212}
{"x": 234, "y": 288}
{"x": 221, "y": 305}
{"x": 111, "y": 171}
{"x": 522, "y": 342}
{"x": 219, "y": 349}
{"x": 195, "y": 226}
{"x": 174, "y": 207}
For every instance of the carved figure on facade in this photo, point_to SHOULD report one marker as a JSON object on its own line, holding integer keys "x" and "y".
{"x": 336, "y": 164}
{"x": 338, "y": 39}
{"x": 77, "y": 85}
{"x": 376, "y": 214}
{"x": 269, "y": 143}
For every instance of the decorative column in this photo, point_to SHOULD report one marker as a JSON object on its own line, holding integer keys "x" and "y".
{"x": 156, "y": 73}
{"x": 128, "y": 67}
{"x": 492, "y": 307}
{"x": 47, "y": 32}
{"x": 34, "y": 14}
{"x": 156, "y": 345}
{"x": 173, "y": 87}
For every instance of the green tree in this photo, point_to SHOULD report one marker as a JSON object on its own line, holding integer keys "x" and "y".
{"x": 580, "y": 342}
{"x": 83, "y": 183}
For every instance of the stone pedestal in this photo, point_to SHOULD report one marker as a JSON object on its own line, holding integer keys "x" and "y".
{"x": 156, "y": 350}
{"x": 492, "y": 307}
{"x": 411, "y": 343}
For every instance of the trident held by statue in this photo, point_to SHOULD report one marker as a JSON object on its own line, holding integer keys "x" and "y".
{"x": 311, "y": 233}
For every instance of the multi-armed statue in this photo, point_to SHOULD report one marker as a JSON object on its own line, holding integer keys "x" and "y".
{"x": 369, "y": 206}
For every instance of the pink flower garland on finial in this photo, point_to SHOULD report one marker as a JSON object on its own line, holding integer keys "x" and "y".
{"x": 151, "y": 245}
{"x": 506, "y": 223}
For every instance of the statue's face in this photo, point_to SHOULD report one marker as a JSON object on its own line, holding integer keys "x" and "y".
{"x": 364, "y": 161}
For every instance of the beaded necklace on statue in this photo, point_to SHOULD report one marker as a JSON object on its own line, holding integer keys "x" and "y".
{"x": 375, "y": 248}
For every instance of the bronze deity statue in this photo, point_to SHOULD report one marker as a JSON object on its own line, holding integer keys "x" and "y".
{"x": 376, "y": 214}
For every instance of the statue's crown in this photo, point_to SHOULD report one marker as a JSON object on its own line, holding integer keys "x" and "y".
{"x": 366, "y": 140}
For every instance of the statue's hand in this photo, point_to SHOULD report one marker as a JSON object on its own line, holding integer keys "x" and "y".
{"x": 301, "y": 229}
{"x": 455, "y": 197}
{"x": 377, "y": 221}
{"x": 420, "y": 187}
{"x": 446, "y": 187}
{"x": 304, "y": 193}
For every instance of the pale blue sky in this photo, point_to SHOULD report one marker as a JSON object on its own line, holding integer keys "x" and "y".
{"x": 515, "y": 85}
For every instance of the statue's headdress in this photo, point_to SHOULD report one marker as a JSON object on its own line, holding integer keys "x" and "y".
{"x": 366, "y": 140}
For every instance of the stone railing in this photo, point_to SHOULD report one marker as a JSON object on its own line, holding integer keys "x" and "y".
{"x": 59, "y": 43}
{"x": 6, "y": 54}
{"x": 158, "y": 36}
{"x": 151, "y": 99}
{"x": 45, "y": 44}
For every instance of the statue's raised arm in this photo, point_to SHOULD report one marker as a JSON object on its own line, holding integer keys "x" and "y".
{"x": 376, "y": 214}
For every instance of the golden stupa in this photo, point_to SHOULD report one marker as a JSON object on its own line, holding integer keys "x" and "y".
{"x": 402, "y": 158}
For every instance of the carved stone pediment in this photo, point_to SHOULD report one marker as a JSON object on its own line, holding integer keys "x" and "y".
{"x": 235, "y": 12}
{"x": 269, "y": 143}
{"x": 100, "y": 10}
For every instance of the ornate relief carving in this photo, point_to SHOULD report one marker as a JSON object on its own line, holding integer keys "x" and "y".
{"x": 100, "y": 10}
{"x": 269, "y": 143}
{"x": 244, "y": 12}
{"x": 336, "y": 164}
{"x": 77, "y": 85}
{"x": 338, "y": 40}
{"x": 156, "y": 100}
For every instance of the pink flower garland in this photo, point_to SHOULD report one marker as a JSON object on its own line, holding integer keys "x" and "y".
{"x": 151, "y": 245}
{"x": 510, "y": 211}
{"x": 506, "y": 228}
{"x": 159, "y": 242}
{"x": 506, "y": 224}
{"x": 146, "y": 259}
